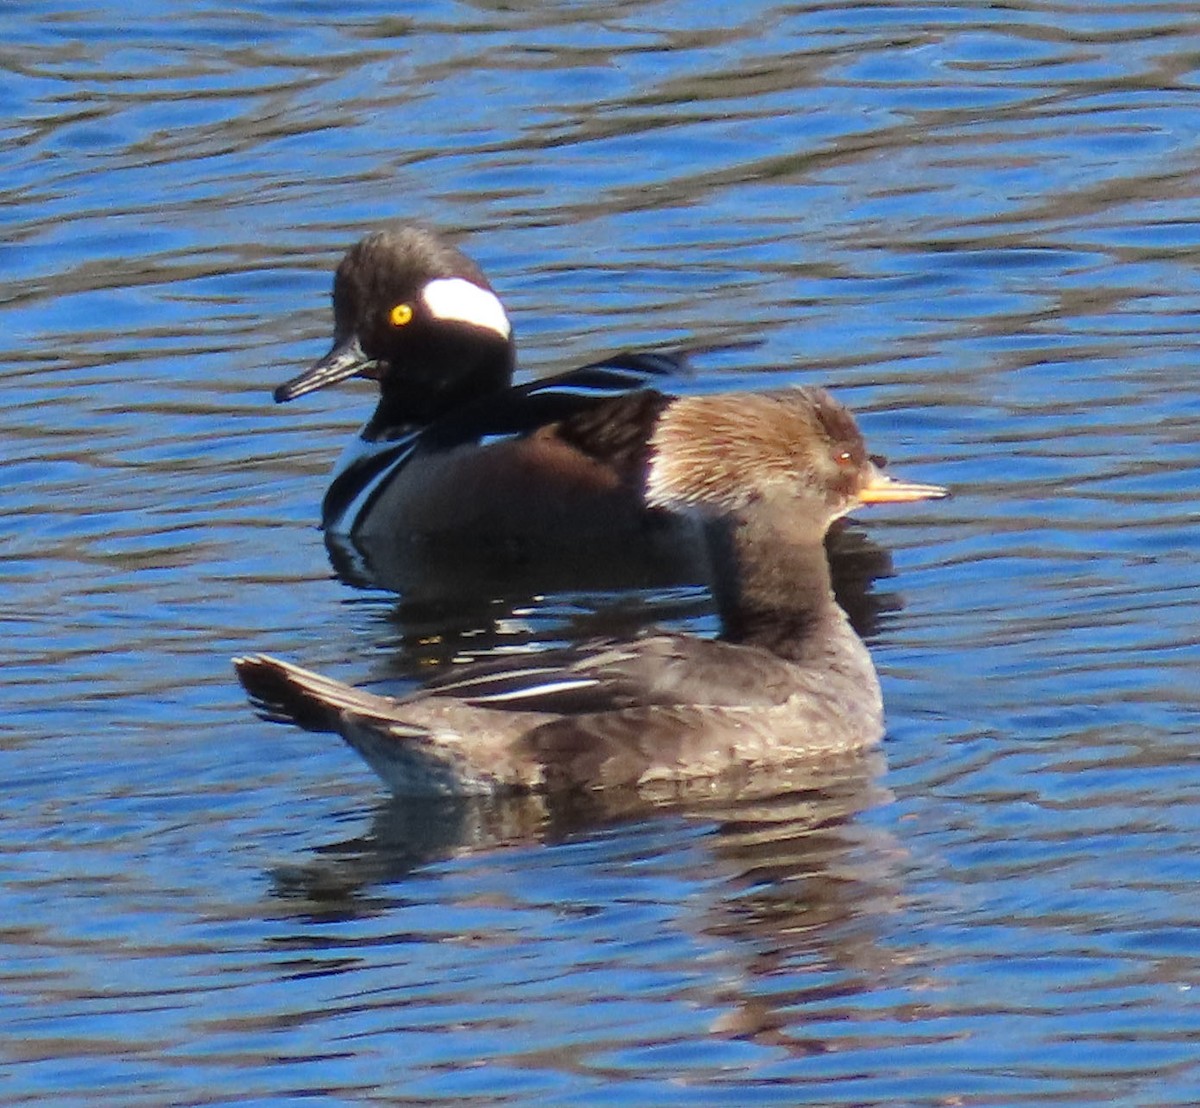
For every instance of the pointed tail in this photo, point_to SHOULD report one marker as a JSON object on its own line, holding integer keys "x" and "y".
{"x": 292, "y": 694}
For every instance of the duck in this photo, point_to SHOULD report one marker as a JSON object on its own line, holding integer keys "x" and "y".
{"x": 765, "y": 475}
{"x": 454, "y": 450}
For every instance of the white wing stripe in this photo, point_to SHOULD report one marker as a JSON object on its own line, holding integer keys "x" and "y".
{"x": 532, "y": 692}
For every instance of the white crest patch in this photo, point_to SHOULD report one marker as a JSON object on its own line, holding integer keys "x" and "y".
{"x": 456, "y": 298}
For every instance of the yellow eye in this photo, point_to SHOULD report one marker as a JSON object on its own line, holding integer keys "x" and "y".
{"x": 400, "y": 315}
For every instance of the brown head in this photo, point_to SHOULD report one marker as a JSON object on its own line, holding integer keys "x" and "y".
{"x": 795, "y": 449}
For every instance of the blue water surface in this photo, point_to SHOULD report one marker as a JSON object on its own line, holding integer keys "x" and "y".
{"x": 977, "y": 223}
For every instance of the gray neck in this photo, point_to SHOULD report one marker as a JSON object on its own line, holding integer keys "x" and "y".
{"x": 773, "y": 589}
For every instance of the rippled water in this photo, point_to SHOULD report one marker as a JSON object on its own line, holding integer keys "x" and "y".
{"x": 977, "y": 222}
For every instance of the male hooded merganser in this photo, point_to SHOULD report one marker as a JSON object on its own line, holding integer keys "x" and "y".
{"x": 453, "y": 447}
{"x": 767, "y": 474}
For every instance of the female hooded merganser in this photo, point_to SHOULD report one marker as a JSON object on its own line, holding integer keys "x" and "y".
{"x": 453, "y": 447}
{"x": 767, "y": 474}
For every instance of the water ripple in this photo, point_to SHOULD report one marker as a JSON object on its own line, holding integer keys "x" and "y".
{"x": 976, "y": 222}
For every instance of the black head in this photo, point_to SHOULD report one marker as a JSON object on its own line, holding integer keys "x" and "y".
{"x": 418, "y": 316}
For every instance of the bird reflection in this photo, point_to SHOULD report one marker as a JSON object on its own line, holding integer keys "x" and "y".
{"x": 456, "y": 604}
{"x": 792, "y": 877}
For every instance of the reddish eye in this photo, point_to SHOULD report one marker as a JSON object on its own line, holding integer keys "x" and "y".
{"x": 845, "y": 459}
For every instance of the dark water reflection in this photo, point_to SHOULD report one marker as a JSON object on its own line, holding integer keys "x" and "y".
{"x": 782, "y": 882}
{"x": 467, "y": 605}
{"x": 976, "y": 223}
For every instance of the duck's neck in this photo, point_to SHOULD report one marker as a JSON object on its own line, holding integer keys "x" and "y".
{"x": 773, "y": 589}
{"x": 436, "y": 383}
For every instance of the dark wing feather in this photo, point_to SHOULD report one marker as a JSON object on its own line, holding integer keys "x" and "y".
{"x": 663, "y": 670}
{"x": 616, "y": 432}
{"x": 554, "y": 400}
{"x": 568, "y": 398}
{"x": 645, "y": 364}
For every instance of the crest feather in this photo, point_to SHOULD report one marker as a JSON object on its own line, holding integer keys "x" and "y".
{"x": 719, "y": 452}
